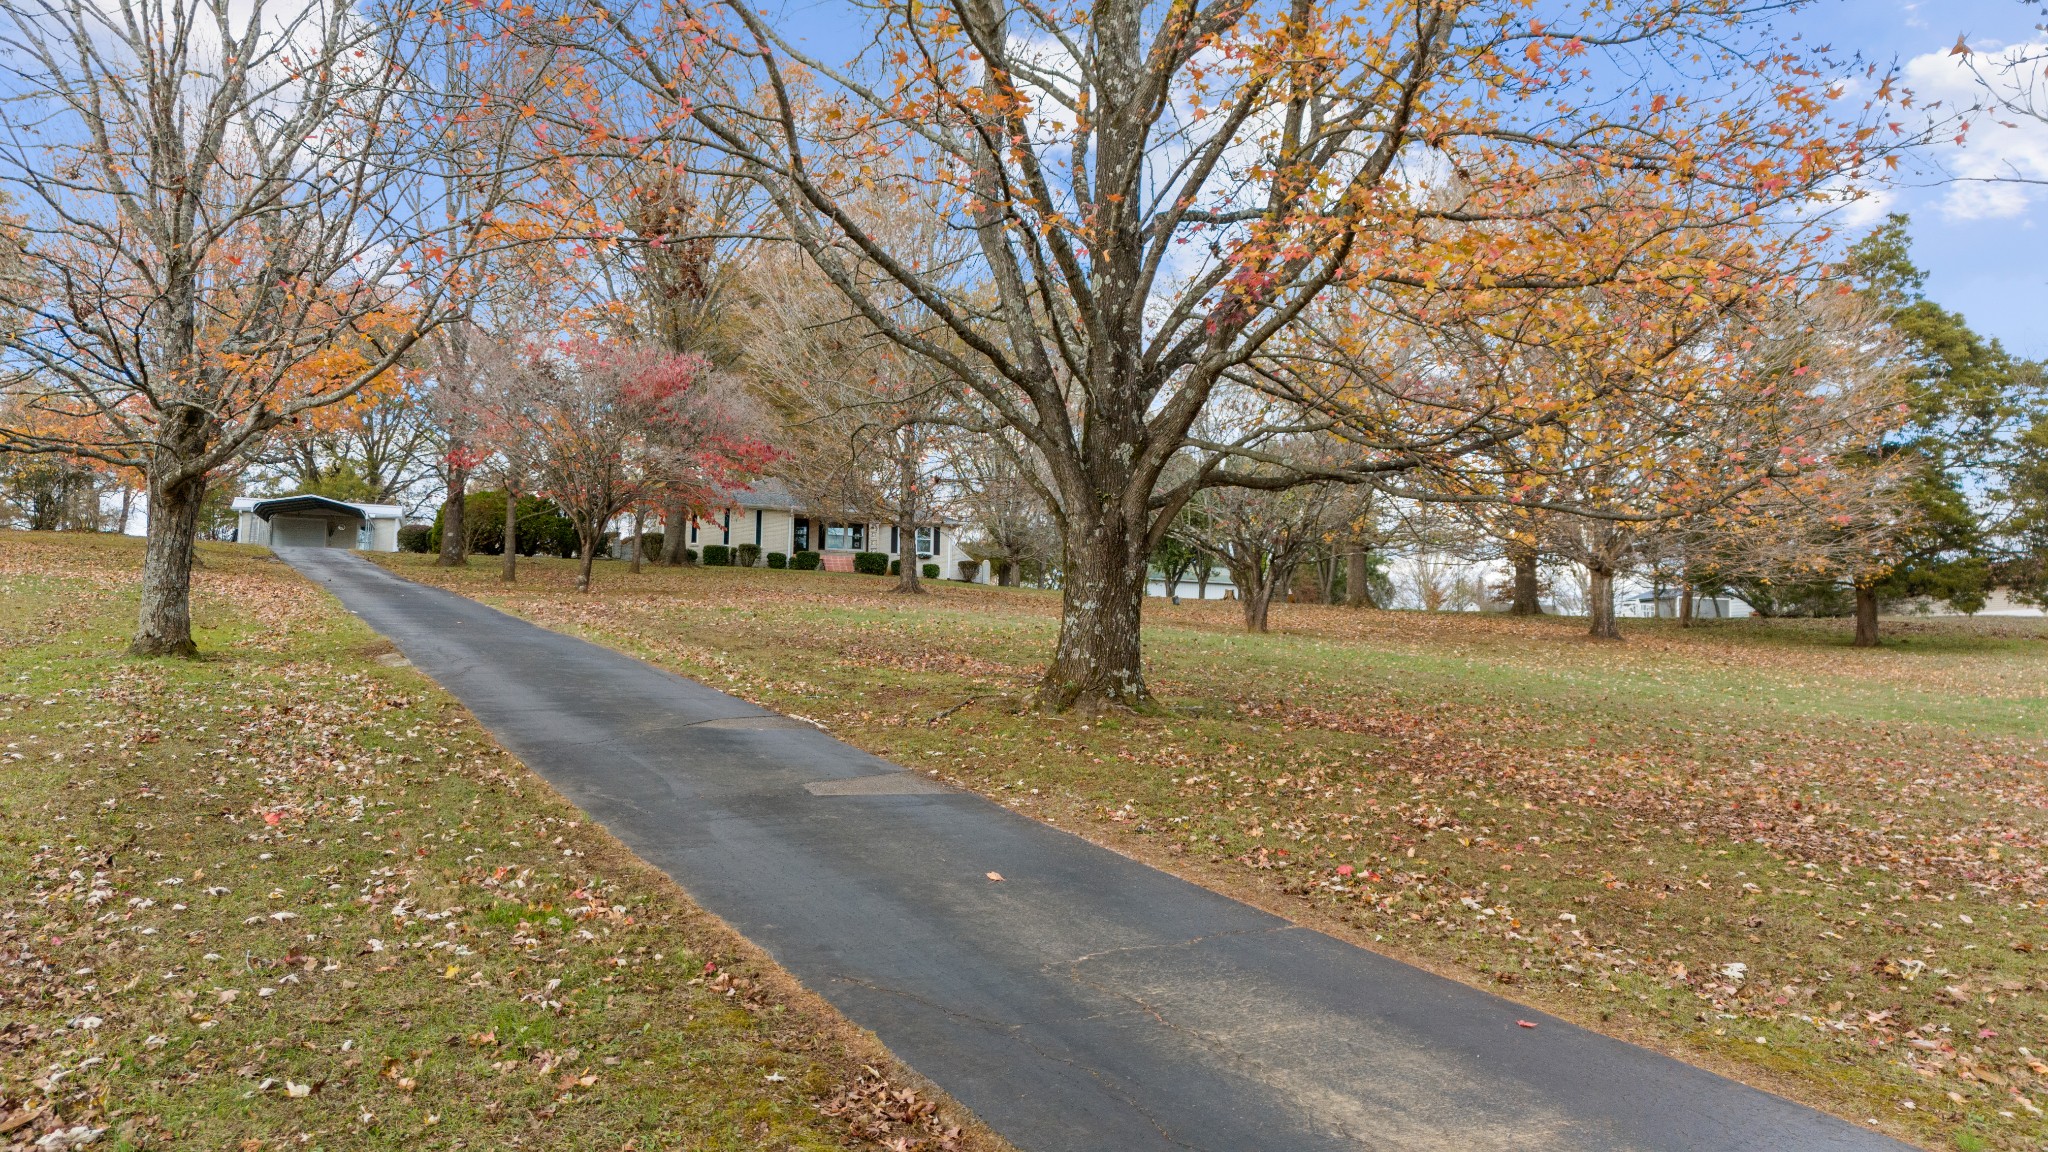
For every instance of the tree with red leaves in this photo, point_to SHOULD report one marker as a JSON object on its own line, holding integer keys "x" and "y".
{"x": 607, "y": 426}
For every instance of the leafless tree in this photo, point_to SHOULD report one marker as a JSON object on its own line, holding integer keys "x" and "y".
{"x": 226, "y": 230}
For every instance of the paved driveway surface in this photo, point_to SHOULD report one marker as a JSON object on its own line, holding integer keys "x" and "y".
{"x": 1087, "y": 1002}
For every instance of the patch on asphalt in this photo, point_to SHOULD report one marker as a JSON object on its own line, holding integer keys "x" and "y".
{"x": 755, "y": 723}
{"x": 886, "y": 784}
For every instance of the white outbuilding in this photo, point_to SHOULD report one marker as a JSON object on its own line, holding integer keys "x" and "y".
{"x": 317, "y": 522}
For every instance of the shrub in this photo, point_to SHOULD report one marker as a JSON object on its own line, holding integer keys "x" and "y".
{"x": 777, "y": 560}
{"x": 717, "y": 555}
{"x": 542, "y": 527}
{"x": 650, "y": 544}
{"x": 970, "y": 570}
{"x": 416, "y": 538}
{"x": 805, "y": 561}
{"x": 931, "y": 571}
{"x": 895, "y": 567}
{"x": 689, "y": 555}
{"x": 871, "y": 563}
{"x": 747, "y": 555}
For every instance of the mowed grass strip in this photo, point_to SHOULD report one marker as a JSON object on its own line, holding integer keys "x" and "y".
{"x": 1817, "y": 869}
{"x": 292, "y": 896}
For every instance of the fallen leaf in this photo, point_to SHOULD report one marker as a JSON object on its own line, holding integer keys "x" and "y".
{"x": 995, "y": 875}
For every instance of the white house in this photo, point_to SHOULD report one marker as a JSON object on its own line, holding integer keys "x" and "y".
{"x": 317, "y": 522}
{"x": 767, "y": 515}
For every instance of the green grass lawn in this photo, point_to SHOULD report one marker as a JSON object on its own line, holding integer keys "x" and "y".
{"x": 291, "y": 896}
{"x": 1812, "y": 867}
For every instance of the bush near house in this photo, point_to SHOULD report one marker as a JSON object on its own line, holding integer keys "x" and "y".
{"x": 543, "y": 530}
{"x": 970, "y": 570}
{"x": 871, "y": 563}
{"x": 650, "y": 544}
{"x": 718, "y": 555}
{"x": 895, "y": 567}
{"x": 805, "y": 562}
{"x": 747, "y": 555}
{"x": 777, "y": 560}
{"x": 416, "y": 538}
{"x": 931, "y": 571}
{"x": 689, "y": 555}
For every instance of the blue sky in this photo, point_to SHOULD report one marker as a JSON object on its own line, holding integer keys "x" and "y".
{"x": 1984, "y": 247}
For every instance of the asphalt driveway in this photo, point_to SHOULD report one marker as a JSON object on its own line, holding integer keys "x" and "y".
{"x": 1086, "y": 1001}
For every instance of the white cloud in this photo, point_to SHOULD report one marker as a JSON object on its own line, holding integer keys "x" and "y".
{"x": 2001, "y": 152}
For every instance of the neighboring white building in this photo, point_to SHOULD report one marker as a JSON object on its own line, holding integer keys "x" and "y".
{"x": 766, "y": 514}
{"x": 317, "y": 522}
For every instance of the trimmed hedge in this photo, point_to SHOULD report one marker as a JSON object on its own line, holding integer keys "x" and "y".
{"x": 871, "y": 563}
{"x": 895, "y": 567}
{"x": 805, "y": 562}
{"x": 689, "y": 555}
{"x": 777, "y": 560}
{"x": 931, "y": 571}
{"x": 747, "y": 555}
{"x": 718, "y": 555}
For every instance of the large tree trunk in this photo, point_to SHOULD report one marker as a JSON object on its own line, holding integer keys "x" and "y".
{"x": 163, "y": 625}
{"x": 675, "y": 532}
{"x": 1257, "y": 598}
{"x": 906, "y": 515}
{"x": 1685, "y": 604}
{"x": 1006, "y": 573}
{"x": 1601, "y": 607}
{"x": 1097, "y": 661}
{"x": 588, "y": 541}
{"x": 1866, "y": 617}
{"x": 509, "y": 570}
{"x": 1355, "y": 594}
{"x": 1528, "y": 592}
{"x": 454, "y": 525}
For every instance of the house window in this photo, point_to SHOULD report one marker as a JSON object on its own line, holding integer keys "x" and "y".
{"x": 800, "y": 540}
{"x": 928, "y": 541}
{"x": 725, "y": 528}
{"x": 846, "y": 537}
{"x": 693, "y": 531}
{"x": 759, "y": 516}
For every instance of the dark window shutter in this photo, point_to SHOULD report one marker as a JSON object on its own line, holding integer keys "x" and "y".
{"x": 895, "y": 544}
{"x": 725, "y": 529}
{"x": 759, "y": 515}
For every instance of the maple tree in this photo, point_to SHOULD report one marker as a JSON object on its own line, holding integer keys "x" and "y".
{"x": 605, "y": 427}
{"x": 1156, "y": 191}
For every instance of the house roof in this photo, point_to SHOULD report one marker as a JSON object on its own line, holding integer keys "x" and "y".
{"x": 315, "y": 505}
{"x": 767, "y": 492}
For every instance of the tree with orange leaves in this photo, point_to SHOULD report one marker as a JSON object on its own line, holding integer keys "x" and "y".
{"x": 211, "y": 259}
{"x": 1159, "y": 189}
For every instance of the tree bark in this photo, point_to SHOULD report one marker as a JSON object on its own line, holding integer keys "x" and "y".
{"x": 454, "y": 526}
{"x": 1258, "y": 597}
{"x": 589, "y": 560}
{"x": 1601, "y": 607}
{"x": 1528, "y": 592}
{"x": 907, "y": 573}
{"x": 509, "y": 570}
{"x": 163, "y": 625}
{"x": 1098, "y": 661}
{"x": 1866, "y": 617}
{"x": 1685, "y": 605}
{"x": 639, "y": 529}
{"x": 127, "y": 507}
{"x": 674, "y": 532}
{"x": 1355, "y": 576}
{"x": 1006, "y": 573}
{"x": 1202, "y": 563}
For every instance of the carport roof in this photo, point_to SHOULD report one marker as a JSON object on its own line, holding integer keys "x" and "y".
{"x": 300, "y": 505}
